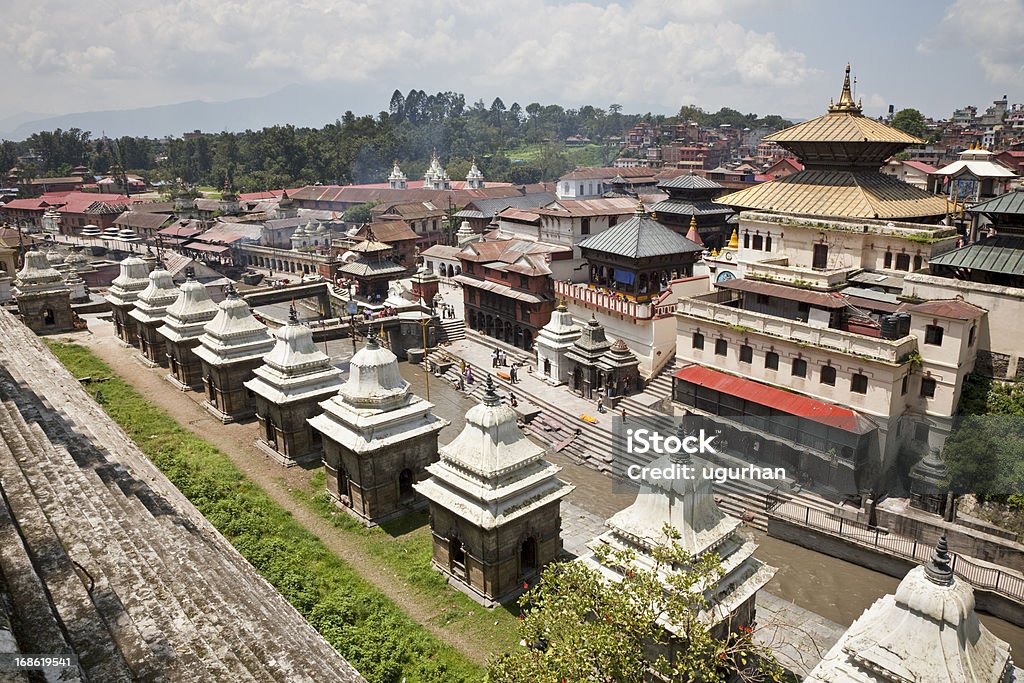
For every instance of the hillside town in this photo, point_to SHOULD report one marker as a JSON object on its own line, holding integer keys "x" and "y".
{"x": 456, "y": 360}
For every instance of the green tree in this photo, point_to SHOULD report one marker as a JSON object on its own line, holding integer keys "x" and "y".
{"x": 910, "y": 121}
{"x": 985, "y": 456}
{"x": 361, "y": 213}
{"x": 579, "y": 626}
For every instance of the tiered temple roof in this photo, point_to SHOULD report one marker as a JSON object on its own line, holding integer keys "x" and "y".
{"x": 151, "y": 306}
{"x": 640, "y": 237}
{"x": 491, "y": 473}
{"x": 37, "y": 276}
{"x": 842, "y": 152}
{"x": 295, "y": 370}
{"x": 375, "y": 408}
{"x": 591, "y": 345}
{"x": 927, "y": 631}
{"x": 132, "y": 281}
{"x": 233, "y": 335}
{"x": 687, "y": 504}
{"x": 189, "y": 313}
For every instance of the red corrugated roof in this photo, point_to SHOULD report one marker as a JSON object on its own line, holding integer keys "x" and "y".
{"x": 783, "y": 401}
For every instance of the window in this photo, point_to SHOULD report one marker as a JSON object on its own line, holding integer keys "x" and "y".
{"x": 759, "y": 242}
{"x": 928, "y": 387}
{"x": 612, "y": 220}
{"x": 933, "y": 335}
{"x": 581, "y": 191}
{"x": 972, "y": 335}
{"x": 771, "y": 361}
{"x": 746, "y": 240}
{"x": 819, "y": 259}
{"x": 904, "y": 385}
{"x": 799, "y": 367}
{"x": 746, "y": 354}
{"x": 721, "y": 347}
{"x": 918, "y": 262}
{"x": 902, "y": 261}
{"x": 524, "y": 281}
{"x": 859, "y": 384}
{"x": 698, "y": 340}
{"x": 828, "y": 375}
{"x": 584, "y": 226}
{"x": 887, "y": 261}
{"x": 768, "y": 243}
{"x": 763, "y": 299}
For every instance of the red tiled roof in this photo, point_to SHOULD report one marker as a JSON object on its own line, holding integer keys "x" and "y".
{"x": 78, "y": 202}
{"x": 948, "y": 308}
{"x": 920, "y": 166}
{"x": 783, "y": 401}
{"x": 34, "y": 204}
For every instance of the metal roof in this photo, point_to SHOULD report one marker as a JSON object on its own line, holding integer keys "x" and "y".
{"x": 840, "y": 194}
{"x": 948, "y": 308}
{"x": 488, "y": 207}
{"x": 842, "y": 127}
{"x": 1009, "y": 203}
{"x": 684, "y": 208}
{"x": 783, "y": 401}
{"x": 640, "y": 237}
{"x": 999, "y": 254}
{"x": 690, "y": 182}
{"x": 806, "y": 296}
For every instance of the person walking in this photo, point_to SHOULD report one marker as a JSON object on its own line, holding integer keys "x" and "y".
{"x": 494, "y": 358}
{"x": 512, "y": 374}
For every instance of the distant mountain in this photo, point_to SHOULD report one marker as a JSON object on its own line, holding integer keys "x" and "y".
{"x": 298, "y": 105}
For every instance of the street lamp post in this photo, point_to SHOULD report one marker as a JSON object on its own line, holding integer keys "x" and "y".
{"x": 426, "y": 364}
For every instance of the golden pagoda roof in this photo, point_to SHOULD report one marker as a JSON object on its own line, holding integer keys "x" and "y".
{"x": 844, "y": 122}
{"x": 840, "y": 194}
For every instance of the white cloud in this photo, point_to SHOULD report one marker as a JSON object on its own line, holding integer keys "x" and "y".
{"x": 987, "y": 29}
{"x": 572, "y": 52}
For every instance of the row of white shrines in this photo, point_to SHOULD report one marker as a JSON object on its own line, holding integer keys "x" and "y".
{"x": 494, "y": 499}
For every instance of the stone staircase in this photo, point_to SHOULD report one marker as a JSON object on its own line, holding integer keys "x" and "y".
{"x": 109, "y": 561}
{"x": 591, "y": 445}
{"x": 453, "y": 329}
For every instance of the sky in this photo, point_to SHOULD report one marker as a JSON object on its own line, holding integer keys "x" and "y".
{"x": 778, "y": 56}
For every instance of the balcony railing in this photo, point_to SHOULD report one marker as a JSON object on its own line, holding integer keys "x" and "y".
{"x": 614, "y": 304}
{"x": 800, "y": 333}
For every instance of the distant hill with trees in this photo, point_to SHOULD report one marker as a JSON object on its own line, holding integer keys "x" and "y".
{"x": 511, "y": 143}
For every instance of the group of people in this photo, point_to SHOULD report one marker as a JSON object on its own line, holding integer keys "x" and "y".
{"x": 448, "y": 311}
{"x": 385, "y": 312}
{"x": 499, "y": 358}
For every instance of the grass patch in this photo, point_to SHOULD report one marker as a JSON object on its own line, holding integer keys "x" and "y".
{"x": 366, "y": 627}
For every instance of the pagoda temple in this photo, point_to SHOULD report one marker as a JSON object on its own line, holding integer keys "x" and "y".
{"x": 636, "y": 259}
{"x": 842, "y": 152}
{"x": 691, "y": 203}
{"x": 150, "y": 310}
{"x": 231, "y": 347}
{"x": 182, "y": 328}
{"x": 44, "y": 300}
{"x": 378, "y": 438}
{"x": 582, "y": 359}
{"x": 290, "y": 385}
{"x": 927, "y": 631}
{"x": 372, "y": 269}
{"x": 494, "y": 504}
{"x": 123, "y": 293}
{"x": 687, "y": 504}
{"x": 553, "y": 341}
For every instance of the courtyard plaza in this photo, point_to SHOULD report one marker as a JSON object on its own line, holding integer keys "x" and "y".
{"x": 803, "y": 610}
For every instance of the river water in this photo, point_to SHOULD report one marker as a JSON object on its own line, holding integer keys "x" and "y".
{"x": 840, "y": 591}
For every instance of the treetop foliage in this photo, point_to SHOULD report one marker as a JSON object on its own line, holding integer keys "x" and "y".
{"x": 358, "y": 149}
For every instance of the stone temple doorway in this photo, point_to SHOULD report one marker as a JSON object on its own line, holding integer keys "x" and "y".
{"x": 405, "y": 481}
{"x": 528, "y": 556}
